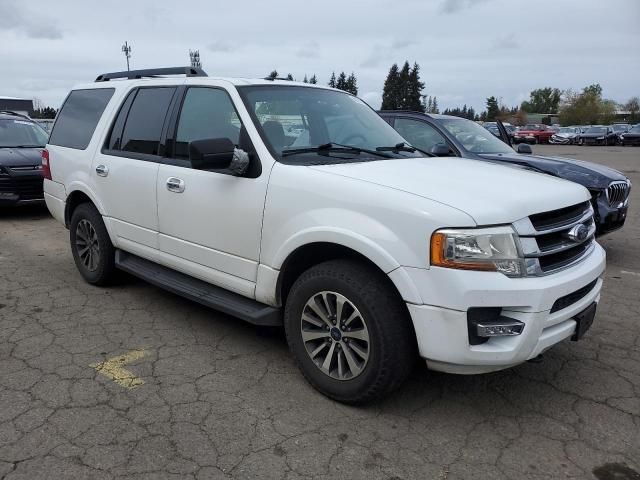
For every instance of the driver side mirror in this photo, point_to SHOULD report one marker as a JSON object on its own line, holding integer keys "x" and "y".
{"x": 211, "y": 153}
{"x": 524, "y": 148}
{"x": 440, "y": 150}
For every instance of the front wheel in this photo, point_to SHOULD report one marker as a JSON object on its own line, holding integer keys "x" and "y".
{"x": 349, "y": 332}
{"x": 91, "y": 246}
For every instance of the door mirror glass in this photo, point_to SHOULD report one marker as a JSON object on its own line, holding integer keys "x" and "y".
{"x": 440, "y": 150}
{"x": 524, "y": 148}
{"x": 211, "y": 153}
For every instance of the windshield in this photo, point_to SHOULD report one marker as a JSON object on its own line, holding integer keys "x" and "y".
{"x": 21, "y": 133}
{"x": 532, "y": 127}
{"x": 567, "y": 130}
{"x": 473, "y": 137}
{"x": 619, "y": 128}
{"x": 597, "y": 130}
{"x": 293, "y": 118}
{"x": 635, "y": 129}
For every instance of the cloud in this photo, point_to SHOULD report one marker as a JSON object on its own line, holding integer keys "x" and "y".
{"x": 506, "y": 42}
{"x": 453, "y": 6}
{"x": 309, "y": 50}
{"x": 400, "y": 44}
{"x": 221, "y": 46}
{"x": 29, "y": 23}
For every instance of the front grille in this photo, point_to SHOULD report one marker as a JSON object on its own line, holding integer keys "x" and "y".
{"x": 568, "y": 300}
{"x": 617, "y": 192}
{"x": 552, "y": 241}
{"x": 27, "y": 188}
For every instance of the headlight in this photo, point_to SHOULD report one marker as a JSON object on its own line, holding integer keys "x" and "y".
{"x": 485, "y": 249}
{"x": 600, "y": 138}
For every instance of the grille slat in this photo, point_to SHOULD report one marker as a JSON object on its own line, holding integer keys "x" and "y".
{"x": 617, "y": 192}
{"x": 551, "y": 241}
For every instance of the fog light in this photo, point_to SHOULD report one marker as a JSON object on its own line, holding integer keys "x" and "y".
{"x": 504, "y": 327}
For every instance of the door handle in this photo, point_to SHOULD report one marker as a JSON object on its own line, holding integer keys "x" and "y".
{"x": 175, "y": 185}
{"x": 102, "y": 170}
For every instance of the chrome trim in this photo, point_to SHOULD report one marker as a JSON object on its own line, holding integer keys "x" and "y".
{"x": 617, "y": 192}
{"x": 524, "y": 227}
{"x": 534, "y": 269}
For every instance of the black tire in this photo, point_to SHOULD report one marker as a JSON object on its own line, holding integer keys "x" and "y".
{"x": 102, "y": 270}
{"x": 392, "y": 346}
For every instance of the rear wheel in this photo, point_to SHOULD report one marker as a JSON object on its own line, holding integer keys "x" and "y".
{"x": 91, "y": 246}
{"x": 349, "y": 332}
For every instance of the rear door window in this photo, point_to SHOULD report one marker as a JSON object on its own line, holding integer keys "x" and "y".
{"x": 79, "y": 117}
{"x": 143, "y": 127}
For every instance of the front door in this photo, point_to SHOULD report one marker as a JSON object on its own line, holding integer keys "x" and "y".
{"x": 210, "y": 222}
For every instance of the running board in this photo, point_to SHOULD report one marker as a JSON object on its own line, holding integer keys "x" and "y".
{"x": 199, "y": 291}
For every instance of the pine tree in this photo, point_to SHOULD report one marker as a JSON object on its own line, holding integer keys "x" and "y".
{"x": 305, "y": 80}
{"x": 332, "y": 80}
{"x": 414, "y": 88}
{"x": 313, "y": 79}
{"x": 403, "y": 87}
{"x": 434, "y": 106}
{"x": 429, "y": 105}
{"x": 341, "y": 83}
{"x": 289, "y": 76}
{"x": 493, "y": 109}
{"x": 273, "y": 74}
{"x": 352, "y": 84}
{"x": 390, "y": 94}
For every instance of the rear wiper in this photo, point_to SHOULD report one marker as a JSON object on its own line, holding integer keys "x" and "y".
{"x": 26, "y": 146}
{"x": 333, "y": 147}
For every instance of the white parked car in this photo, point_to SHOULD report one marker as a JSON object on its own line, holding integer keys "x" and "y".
{"x": 367, "y": 251}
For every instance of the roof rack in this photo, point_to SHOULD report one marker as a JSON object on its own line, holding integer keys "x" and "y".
{"x": 278, "y": 78}
{"x": 152, "y": 72}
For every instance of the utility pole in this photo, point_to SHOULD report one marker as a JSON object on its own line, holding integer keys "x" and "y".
{"x": 194, "y": 56}
{"x": 126, "y": 49}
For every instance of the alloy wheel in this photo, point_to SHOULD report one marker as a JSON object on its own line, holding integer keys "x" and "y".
{"x": 335, "y": 335}
{"x": 87, "y": 245}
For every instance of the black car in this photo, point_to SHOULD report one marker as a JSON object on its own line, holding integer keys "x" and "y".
{"x": 599, "y": 135}
{"x": 443, "y": 135}
{"x": 21, "y": 144}
{"x": 632, "y": 137}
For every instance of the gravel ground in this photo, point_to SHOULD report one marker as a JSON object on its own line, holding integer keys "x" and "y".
{"x": 215, "y": 398}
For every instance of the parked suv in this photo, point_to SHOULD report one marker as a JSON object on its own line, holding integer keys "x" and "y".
{"x": 21, "y": 144}
{"x": 367, "y": 252}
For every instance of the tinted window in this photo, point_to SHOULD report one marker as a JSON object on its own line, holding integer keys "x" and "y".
{"x": 206, "y": 113}
{"x": 143, "y": 128}
{"x": 419, "y": 134}
{"x": 79, "y": 116}
{"x": 115, "y": 137}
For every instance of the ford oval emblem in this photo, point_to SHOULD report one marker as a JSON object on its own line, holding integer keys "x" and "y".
{"x": 579, "y": 233}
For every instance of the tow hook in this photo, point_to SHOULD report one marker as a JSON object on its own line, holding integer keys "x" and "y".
{"x": 538, "y": 359}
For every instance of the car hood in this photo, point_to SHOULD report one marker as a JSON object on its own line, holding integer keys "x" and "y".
{"x": 565, "y": 134}
{"x": 590, "y": 175}
{"x": 594, "y": 135}
{"x": 20, "y": 157}
{"x": 489, "y": 193}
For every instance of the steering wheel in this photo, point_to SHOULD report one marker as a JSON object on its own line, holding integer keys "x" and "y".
{"x": 350, "y": 139}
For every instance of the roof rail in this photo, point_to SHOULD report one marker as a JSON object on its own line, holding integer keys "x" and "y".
{"x": 11, "y": 112}
{"x": 152, "y": 72}
{"x": 278, "y": 78}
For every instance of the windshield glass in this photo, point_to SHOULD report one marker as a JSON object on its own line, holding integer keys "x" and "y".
{"x": 635, "y": 129}
{"x": 619, "y": 128}
{"x": 473, "y": 137}
{"x": 597, "y": 130}
{"x": 294, "y": 117}
{"x": 21, "y": 133}
{"x": 567, "y": 130}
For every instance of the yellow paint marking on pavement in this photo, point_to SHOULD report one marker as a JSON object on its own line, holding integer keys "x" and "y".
{"x": 113, "y": 370}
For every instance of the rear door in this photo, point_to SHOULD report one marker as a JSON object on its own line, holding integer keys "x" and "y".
{"x": 125, "y": 170}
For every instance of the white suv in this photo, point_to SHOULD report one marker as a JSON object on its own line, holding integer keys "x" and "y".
{"x": 286, "y": 203}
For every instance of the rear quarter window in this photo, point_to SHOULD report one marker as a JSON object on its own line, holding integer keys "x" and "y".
{"x": 79, "y": 116}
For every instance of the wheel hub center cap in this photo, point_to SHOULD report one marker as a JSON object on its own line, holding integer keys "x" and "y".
{"x": 336, "y": 334}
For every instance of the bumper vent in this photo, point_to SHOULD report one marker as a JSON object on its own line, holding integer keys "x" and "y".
{"x": 568, "y": 300}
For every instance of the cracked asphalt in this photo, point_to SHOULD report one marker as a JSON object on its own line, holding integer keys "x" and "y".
{"x": 223, "y": 399}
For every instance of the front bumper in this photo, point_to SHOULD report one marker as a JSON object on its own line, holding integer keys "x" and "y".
{"x": 441, "y": 326}
{"x": 20, "y": 187}
{"x": 608, "y": 217}
{"x": 560, "y": 140}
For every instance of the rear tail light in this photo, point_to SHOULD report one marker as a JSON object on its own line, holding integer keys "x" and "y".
{"x": 46, "y": 169}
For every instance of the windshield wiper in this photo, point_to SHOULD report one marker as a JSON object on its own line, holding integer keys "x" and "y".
{"x": 22, "y": 146}
{"x": 333, "y": 147}
{"x": 398, "y": 147}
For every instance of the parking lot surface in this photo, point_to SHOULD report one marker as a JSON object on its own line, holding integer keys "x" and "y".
{"x": 131, "y": 381}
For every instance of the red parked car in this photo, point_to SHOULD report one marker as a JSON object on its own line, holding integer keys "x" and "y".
{"x": 533, "y": 134}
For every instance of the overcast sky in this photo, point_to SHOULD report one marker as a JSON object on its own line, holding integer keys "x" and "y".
{"x": 467, "y": 49}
